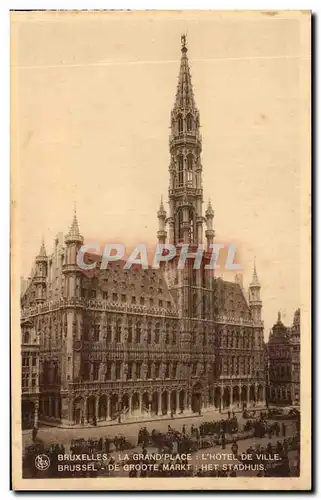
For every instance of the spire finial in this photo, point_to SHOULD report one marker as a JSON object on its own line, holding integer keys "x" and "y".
{"x": 209, "y": 211}
{"x": 74, "y": 233}
{"x": 42, "y": 252}
{"x": 279, "y": 317}
{"x": 162, "y": 211}
{"x": 255, "y": 279}
{"x": 184, "y": 41}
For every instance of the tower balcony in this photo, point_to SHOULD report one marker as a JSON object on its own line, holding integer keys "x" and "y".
{"x": 192, "y": 138}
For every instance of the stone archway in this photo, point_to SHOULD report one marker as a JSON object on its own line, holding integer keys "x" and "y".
{"x": 236, "y": 395}
{"x": 226, "y": 397}
{"x": 260, "y": 393}
{"x": 173, "y": 401}
{"x": 125, "y": 403}
{"x": 252, "y": 394}
{"x": 217, "y": 397}
{"x": 155, "y": 403}
{"x": 113, "y": 406}
{"x": 244, "y": 395}
{"x": 197, "y": 398}
{"x": 164, "y": 403}
{"x": 146, "y": 403}
{"x": 102, "y": 408}
{"x": 91, "y": 408}
{"x": 182, "y": 401}
{"x": 135, "y": 403}
{"x": 27, "y": 414}
{"x": 78, "y": 410}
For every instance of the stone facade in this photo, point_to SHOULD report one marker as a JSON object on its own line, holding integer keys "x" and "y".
{"x": 142, "y": 343}
{"x": 30, "y": 368}
{"x": 283, "y": 352}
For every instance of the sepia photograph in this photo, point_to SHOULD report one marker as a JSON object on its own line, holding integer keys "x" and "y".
{"x": 160, "y": 250}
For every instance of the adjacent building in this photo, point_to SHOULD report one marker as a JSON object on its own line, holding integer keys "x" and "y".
{"x": 30, "y": 369}
{"x": 283, "y": 354}
{"x": 140, "y": 343}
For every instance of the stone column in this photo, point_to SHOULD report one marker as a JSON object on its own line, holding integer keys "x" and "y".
{"x": 150, "y": 405}
{"x": 96, "y": 407}
{"x": 57, "y": 408}
{"x": 140, "y": 403}
{"x": 168, "y": 402}
{"x": 159, "y": 411}
{"x": 65, "y": 410}
{"x": 108, "y": 409}
{"x": 130, "y": 406}
{"x": 86, "y": 410}
{"x": 35, "y": 421}
{"x": 177, "y": 403}
{"x": 248, "y": 394}
{"x": 231, "y": 397}
{"x": 52, "y": 407}
{"x": 185, "y": 402}
{"x": 189, "y": 402}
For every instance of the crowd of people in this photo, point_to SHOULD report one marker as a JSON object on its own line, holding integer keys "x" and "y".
{"x": 187, "y": 439}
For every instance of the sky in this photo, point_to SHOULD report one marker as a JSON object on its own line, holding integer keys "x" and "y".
{"x": 91, "y": 96}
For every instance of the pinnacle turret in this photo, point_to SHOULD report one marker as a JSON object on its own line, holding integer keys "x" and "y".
{"x": 255, "y": 279}
{"x": 42, "y": 252}
{"x": 209, "y": 211}
{"x": 74, "y": 233}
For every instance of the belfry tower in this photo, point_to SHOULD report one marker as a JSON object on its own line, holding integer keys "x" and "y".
{"x": 255, "y": 302}
{"x": 185, "y": 221}
{"x": 183, "y": 225}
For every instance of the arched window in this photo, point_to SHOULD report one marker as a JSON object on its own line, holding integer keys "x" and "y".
{"x": 190, "y": 170}
{"x": 180, "y": 124}
{"x": 180, "y": 171}
{"x": 191, "y": 230}
{"x": 180, "y": 224}
{"x": 26, "y": 337}
{"x": 189, "y": 123}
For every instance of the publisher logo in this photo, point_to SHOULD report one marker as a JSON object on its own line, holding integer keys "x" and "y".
{"x": 42, "y": 462}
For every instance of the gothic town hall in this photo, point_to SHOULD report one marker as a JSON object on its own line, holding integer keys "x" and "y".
{"x": 140, "y": 344}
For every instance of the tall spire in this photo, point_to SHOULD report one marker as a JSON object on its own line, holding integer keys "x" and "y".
{"x": 255, "y": 302}
{"x": 255, "y": 279}
{"x": 74, "y": 233}
{"x": 161, "y": 214}
{"x": 184, "y": 94}
{"x": 42, "y": 251}
{"x": 185, "y": 187}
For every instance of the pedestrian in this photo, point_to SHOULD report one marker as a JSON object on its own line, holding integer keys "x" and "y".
{"x": 183, "y": 430}
{"x": 34, "y": 433}
{"x": 223, "y": 441}
{"x": 283, "y": 429}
